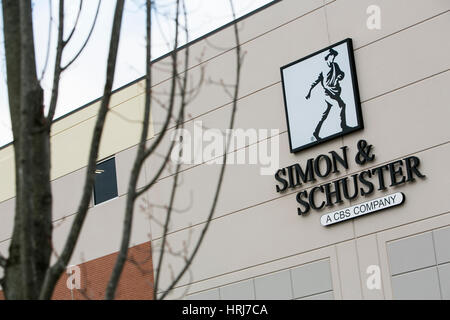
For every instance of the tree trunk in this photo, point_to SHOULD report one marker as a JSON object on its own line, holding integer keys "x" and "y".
{"x": 30, "y": 249}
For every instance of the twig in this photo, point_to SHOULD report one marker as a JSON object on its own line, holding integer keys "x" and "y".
{"x": 54, "y": 272}
{"x": 3, "y": 261}
{"x": 57, "y": 69}
{"x": 131, "y": 197}
{"x": 75, "y": 24}
{"x": 49, "y": 39}
{"x": 219, "y": 183}
{"x": 85, "y": 42}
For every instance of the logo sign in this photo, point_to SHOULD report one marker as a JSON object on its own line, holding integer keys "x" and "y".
{"x": 319, "y": 196}
{"x": 321, "y": 96}
{"x": 361, "y": 209}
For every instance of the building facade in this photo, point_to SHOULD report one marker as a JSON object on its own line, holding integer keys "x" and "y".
{"x": 261, "y": 242}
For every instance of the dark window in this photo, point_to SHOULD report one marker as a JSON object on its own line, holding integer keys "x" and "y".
{"x": 105, "y": 186}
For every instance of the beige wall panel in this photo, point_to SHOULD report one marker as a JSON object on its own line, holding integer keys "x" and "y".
{"x": 270, "y": 267}
{"x": 424, "y": 198}
{"x": 70, "y": 148}
{"x": 7, "y": 169}
{"x": 193, "y": 198}
{"x": 67, "y": 191}
{"x": 261, "y": 110}
{"x": 395, "y": 16}
{"x": 66, "y": 196}
{"x": 91, "y": 110}
{"x": 7, "y": 209}
{"x": 124, "y": 165}
{"x": 264, "y": 233}
{"x": 161, "y": 98}
{"x": 383, "y": 66}
{"x": 349, "y": 270}
{"x": 367, "y": 252}
{"x": 153, "y": 163}
{"x": 259, "y": 69}
{"x": 292, "y": 41}
{"x": 190, "y": 131}
{"x": 102, "y": 230}
{"x": 84, "y": 114}
{"x": 422, "y": 107}
{"x": 127, "y": 93}
{"x": 122, "y": 129}
{"x": 243, "y": 186}
{"x": 218, "y": 120}
{"x": 401, "y": 232}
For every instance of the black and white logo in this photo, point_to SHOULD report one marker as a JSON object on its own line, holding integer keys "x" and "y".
{"x": 321, "y": 96}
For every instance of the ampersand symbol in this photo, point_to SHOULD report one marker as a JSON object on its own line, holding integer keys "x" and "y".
{"x": 364, "y": 151}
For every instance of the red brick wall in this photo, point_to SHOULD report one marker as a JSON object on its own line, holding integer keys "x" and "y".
{"x": 136, "y": 281}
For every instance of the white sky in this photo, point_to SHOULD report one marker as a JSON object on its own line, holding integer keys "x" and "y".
{"x": 83, "y": 81}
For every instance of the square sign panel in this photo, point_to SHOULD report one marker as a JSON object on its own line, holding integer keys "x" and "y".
{"x": 321, "y": 96}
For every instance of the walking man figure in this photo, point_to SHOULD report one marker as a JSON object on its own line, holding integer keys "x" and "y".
{"x": 332, "y": 90}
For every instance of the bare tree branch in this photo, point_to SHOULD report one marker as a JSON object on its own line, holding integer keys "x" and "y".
{"x": 142, "y": 153}
{"x": 176, "y": 210}
{"x": 48, "y": 40}
{"x": 174, "y": 79}
{"x": 54, "y": 272}
{"x": 184, "y": 103}
{"x": 222, "y": 171}
{"x": 57, "y": 69}
{"x": 85, "y": 42}
{"x": 126, "y": 234}
{"x": 166, "y": 228}
{"x": 159, "y": 138}
{"x": 222, "y": 84}
{"x": 175, "y": 185}
{"x": 80, "y": 8}
{"x": 61, "y": 44}
{"x": 2, "y": 261}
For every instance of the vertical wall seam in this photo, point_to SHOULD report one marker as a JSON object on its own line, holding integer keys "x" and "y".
{"x": 292, "y": 283}
{"x": 436, "y": 263}
{"x": 359, "y": 268}
{"x": 379, "y": 264}
{"x": 339, "y": 272}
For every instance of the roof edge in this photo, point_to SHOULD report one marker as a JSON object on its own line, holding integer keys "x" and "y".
{"x": 162, "y": 58}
